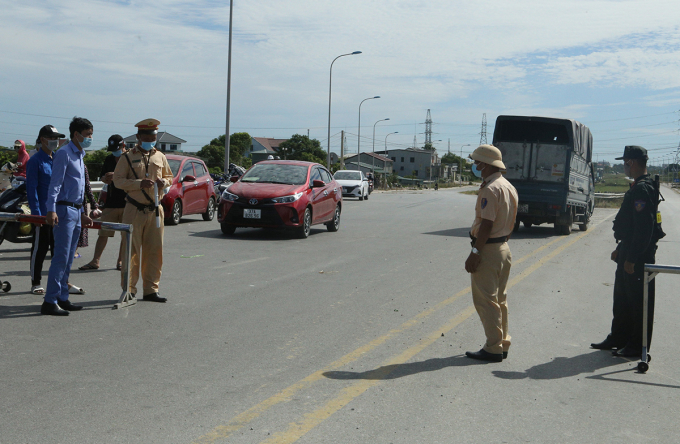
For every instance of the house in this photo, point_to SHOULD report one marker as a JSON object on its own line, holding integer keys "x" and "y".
{"x": 424, "y": 164}
{"x": 369, "y": 162}
{"x": 165, "y": 142}
{"x": 264, "y": 146}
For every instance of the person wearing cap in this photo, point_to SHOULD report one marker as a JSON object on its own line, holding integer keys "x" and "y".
{"x": 490, "y": 259}
{"x": 136, "y": 173}
{"x": 22, "y": 158}
{"x": 636, "y": 231}
{"x": 65, "y": 213}
{"x": 38, "y": 175}
{"x": 115, "y": 202}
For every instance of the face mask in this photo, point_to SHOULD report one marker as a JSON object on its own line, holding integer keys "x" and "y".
{"x": 52, "y": 145}
{"x": 118, "y": 153}
{"x": 146, "y": 146}
{"x": 477, "y": 172}
{"x": 87, "y": 141}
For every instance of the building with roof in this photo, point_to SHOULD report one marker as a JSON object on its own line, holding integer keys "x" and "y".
{"x": 424, "y": 164}
{"x": 369, "y": 162}
{"x": 165, "y": 142}
{"x": 264, "y": 145}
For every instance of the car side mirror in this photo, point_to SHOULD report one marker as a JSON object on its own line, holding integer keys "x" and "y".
{"x": 318, "y": 184}
{"x": 188, "y": 178}
{"x": 233, "y": 179}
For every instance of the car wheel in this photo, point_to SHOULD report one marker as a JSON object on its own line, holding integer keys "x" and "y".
{"x": 210, "y": 211}
{"x": 176, "y": 213}
{"x": 334, "y": 225}
{"x": 227, "y": 230}
{"x": 366, "y": 195}
{"x": 303, "y": 231}
{"x": 361, "y": 197}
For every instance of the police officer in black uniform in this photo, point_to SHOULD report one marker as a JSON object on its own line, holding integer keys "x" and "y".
{"x": 637, "y": 229}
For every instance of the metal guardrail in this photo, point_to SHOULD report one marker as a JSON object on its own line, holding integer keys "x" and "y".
{"x": 126, "y": 299}
{"x": 651, "y": 270}
{"x": 609, "y": 195}
{"x": 97, "y": 186}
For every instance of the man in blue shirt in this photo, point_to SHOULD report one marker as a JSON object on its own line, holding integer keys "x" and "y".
{"x": 66, "y": 215}
{"x": 38, "y": 175}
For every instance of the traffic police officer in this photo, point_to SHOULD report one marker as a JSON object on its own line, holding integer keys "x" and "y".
{"x": 637, "y": 229}
{"x": 136, "y": 174}
{"x": 490, "y": 259}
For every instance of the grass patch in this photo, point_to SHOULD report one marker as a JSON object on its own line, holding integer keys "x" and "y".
{"x": 613, "y": 183}
{"x": 470, "y": 192}
{"x": 608, "y": 203}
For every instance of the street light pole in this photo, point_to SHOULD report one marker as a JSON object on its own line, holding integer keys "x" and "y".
{"x": 396, "y": 132}
{"x": 373, "y": 160}
{"x": 330, "y": 84}
{"x": 226, "y": 131}
{"x": 359, "y": 132}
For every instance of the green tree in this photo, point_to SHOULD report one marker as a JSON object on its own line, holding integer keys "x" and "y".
{"x": 428, "y": 147}
{"x": 300, "y": 147}
{"x": 213, "y": 153}
{"x": 451, "y": 158}
{"x": 94, "y": 161}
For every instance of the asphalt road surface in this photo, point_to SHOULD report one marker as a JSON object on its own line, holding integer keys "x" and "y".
{"x": 353, "y": 337}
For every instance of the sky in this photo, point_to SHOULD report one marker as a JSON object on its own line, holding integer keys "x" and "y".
{"x": 613, "y": 65}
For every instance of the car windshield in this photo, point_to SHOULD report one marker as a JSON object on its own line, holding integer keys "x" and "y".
{"x": 174, "y": 166}
{"x": 348, "y": 175}
{"x": 276, "y": 173}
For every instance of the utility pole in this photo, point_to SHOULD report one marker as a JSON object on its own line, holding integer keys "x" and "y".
{"x": 226, "y": 131}
{"x": 342, "y": 149}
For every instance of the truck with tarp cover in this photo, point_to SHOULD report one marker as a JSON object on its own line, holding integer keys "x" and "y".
{"x": 549, "y": 162}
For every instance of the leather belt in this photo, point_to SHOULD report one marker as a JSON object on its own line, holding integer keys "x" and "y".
{"x": 140, "y": 206}
{"x": 491, "y": 240}
{"x": 70, "y": 204}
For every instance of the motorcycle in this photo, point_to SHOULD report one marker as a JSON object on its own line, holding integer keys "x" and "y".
{"x": 15, "y": 200}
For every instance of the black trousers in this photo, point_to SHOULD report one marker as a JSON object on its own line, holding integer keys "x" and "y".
{"x": 628, "y": 306}
{"x": 43, "y": 240}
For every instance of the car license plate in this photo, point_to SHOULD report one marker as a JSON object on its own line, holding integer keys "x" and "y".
{"x": 249, "y": 213}
{"x": 524, "y": 208}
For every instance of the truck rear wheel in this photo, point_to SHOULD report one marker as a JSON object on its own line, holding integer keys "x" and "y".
{"x": 565, "y": 229}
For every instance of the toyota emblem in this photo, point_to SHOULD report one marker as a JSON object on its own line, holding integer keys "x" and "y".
{"x": 252, "y": 201}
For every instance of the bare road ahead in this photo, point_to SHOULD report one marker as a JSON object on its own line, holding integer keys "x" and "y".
{"x": 350, "y": 337}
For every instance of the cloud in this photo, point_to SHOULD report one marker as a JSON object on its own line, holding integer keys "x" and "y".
{"x": 126, "y": 60}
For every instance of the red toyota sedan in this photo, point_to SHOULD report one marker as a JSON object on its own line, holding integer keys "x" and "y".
{"x": 191, "y": 192}
{"x": 282, "y": 193}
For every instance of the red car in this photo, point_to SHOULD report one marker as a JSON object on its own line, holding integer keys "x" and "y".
{"x": 282, "y": 193}
{"x": 191, "y": 192}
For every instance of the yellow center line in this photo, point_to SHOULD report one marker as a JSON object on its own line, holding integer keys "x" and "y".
{"x": 310, "y": 420}
{"x": 240, "y": 420}
{"x": 297, "y": 430}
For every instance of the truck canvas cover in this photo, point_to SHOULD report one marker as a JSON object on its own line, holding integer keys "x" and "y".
{"x": 545, "y": 130}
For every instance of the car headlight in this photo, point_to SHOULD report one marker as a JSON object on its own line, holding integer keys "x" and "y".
{"x": 226, "y": 195}
{"x": 287, "y": 199}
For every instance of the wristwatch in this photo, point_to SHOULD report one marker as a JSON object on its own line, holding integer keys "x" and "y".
{"x": 475, "y": 251}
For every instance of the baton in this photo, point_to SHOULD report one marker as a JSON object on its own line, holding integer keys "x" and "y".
{"x": 155, "y": 201}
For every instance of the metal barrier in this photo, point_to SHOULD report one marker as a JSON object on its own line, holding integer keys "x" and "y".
{"x": 126, "y": 298}
{"x": 651, "y": 270}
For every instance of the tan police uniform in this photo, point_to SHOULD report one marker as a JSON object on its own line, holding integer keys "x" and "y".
{"x": 139, "y": 211}
{"x": 496, "y": 201}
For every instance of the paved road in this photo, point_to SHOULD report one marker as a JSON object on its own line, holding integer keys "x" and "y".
{"x": 349, "y": 337}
